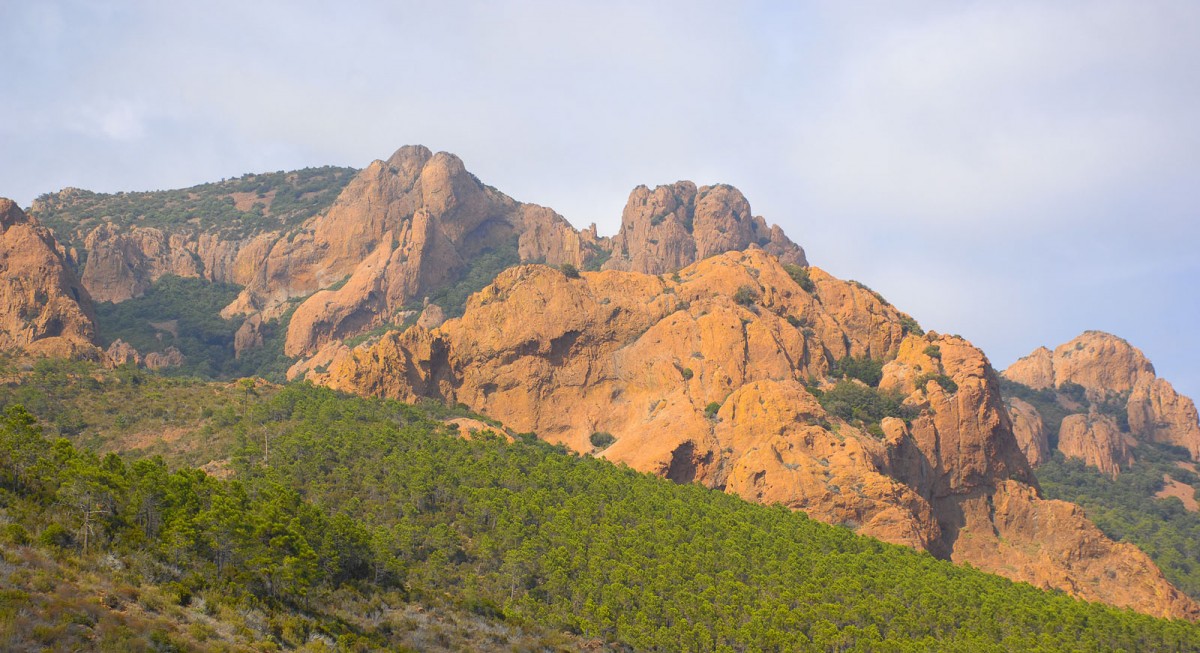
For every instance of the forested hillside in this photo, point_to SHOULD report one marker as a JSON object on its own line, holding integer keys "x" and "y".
{"x": 337, "y": 504}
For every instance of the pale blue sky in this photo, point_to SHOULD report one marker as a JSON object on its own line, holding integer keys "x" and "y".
{"x": 1014, "y": 172}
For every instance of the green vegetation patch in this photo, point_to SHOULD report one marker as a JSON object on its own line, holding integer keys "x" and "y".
{"x": 481, "y": 271}
{"x": 1044, "y": 400}
{"x": 943, "y": 380}
{"x": 865, "y": 369}
{"x": 864, "y": 406}
{"x": 799, "y": 274}
{"x": 185, "y": 313}
{"x": 1126, "y": 509}
{"x": 275, "y": 201}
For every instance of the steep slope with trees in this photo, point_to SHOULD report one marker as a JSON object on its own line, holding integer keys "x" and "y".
{"x": 512, "y": 544}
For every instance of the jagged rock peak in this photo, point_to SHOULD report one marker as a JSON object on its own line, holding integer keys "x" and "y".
{"x": 1114, "y": 373}
{"x": 676, "y": 225}
{"x": 1098, "y": 361}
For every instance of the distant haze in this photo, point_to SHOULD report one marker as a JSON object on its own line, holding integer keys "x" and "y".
{"x": 1013, "y": 172}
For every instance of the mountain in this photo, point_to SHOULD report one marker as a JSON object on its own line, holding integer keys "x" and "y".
{"x": 1105, "y": 398}
{"x": 695, "y": 344}
{"x": 128, "y": 241}
{"x": 46, "y": 309}
{"x": 345, "y": 256}
{"x": 700, "y": 377}
{"x": 1106, "y": 433}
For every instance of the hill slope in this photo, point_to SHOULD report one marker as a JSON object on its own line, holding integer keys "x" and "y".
{"x": 522, "y": 531}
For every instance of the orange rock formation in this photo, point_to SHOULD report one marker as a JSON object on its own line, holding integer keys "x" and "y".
{"x": 643, "y": 357}
{"x": 45, "y": 308}
{"x": 1113, "y": 371}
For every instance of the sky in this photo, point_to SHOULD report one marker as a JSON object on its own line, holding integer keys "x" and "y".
{"x": 1013, "y": 172}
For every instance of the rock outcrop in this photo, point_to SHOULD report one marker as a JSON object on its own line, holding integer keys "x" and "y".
{"x": 398, "y": 232}
{"x": 670, "y": 227}
{"x": 401, "y": 229}
{"x": 122, "y": 353}
{"x": 698, "y": 380}
{"x": 1096, "y": 440}
{"x": 1115, "y": 376}
{"x": 1030, "y": 431}
{"x": 121, "y": 264}
{"x": 170, "y": 357}
{"x": 46, "y": 310}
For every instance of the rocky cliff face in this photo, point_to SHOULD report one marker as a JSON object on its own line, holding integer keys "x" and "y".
{"x": 1029, "y": 430}
{"x": 699, "y": 378}
{"x": 45, "y": 308}
{"x": 1117, "y": 377}
{"x": 399, "y": 231}
{"x": 121, "y": 264}
{"x": 1096, "y": 440}
{"x": 665, "y": 229}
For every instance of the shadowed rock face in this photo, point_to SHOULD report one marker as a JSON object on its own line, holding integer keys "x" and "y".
{"x": 45, "y": 308}
{"x": 642, "y": 357}
{"x": 1096, "y": 440}
{"x": 123, "y": 263}
{"x": 1112, "y": 371}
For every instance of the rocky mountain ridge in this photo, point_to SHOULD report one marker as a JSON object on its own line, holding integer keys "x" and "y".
{"x": 398, "y": 231}
{"x": 698, "y": 348}
{"x": 702, "y": 378}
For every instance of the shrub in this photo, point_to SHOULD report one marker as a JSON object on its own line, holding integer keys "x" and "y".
{"x": 745, "y": 295}
{"x": 602, "y": 439}
{"x": 1074, "y": 392}
{"x": 857, "y": 403}
{"x": 710, "y": 411}
{"x": 909, "y": 325}
{"x": 570, "y": 270}
{"x": 946, "y": 382}
{"x": 55, "y": 535}
{"x": 800, "y": 276}
{"x": 687, "y": 373}
{"x": 867, "y": 370}
{"x": 933, "y": 351}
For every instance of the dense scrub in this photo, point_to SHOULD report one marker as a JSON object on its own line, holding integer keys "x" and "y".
{"x": 337, "y": 496}
{"x": 185, "y": 314}
{"x": 278, "y": 201}
{"x": 1045, "y": 401}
